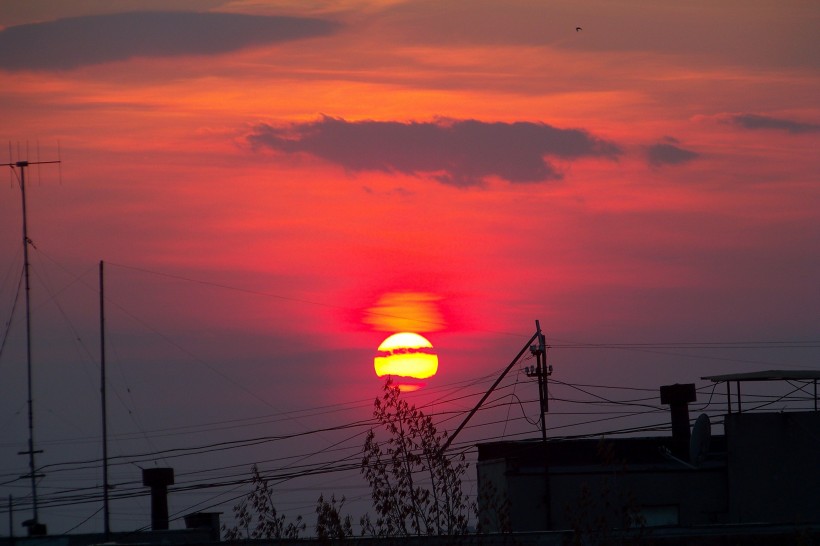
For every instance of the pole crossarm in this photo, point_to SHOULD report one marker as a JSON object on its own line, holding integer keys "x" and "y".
{"x": 487, "y": 394}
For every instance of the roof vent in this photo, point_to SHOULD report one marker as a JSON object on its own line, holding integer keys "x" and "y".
{"x": 158, "y": 479}
{"x": 678, "y": 396}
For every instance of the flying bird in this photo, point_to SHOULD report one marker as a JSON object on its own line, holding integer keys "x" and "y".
{"x": 578, "y": 28}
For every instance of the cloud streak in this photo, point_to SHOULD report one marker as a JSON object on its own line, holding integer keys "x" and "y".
{"x": 79, "y": 41}
{"x": 459, "y": 153}
{"x": 759, "y": 122}
{"x": 669, "y": 153}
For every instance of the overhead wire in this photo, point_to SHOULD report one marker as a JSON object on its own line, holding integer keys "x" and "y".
{"x": 328, "y": 467}
{"x": 287, "y": 298}
{"x": 216, "y": 446}
{"x": 809, "y": 344}
{"x": 9, "y": 322}
{"x": 307, "y": 472}
{"x": 79, "y": 279}
{"x": 495, "y": 403}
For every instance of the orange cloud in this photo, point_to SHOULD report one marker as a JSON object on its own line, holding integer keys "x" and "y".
{"x": 406, "y": 311}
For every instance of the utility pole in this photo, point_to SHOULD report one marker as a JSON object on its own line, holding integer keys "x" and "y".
{"x": 541, "y": 372}
{"x": 473, "y": 411}
{"x": 35, "y": 528}
{"x": 538, "y": 347}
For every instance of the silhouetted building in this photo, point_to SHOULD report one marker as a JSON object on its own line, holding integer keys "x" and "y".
{"x": 200, "y": 527}
{"x": 765, "y": 469}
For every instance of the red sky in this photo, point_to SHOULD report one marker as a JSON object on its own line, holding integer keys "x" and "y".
{"x": 260, "y": 186}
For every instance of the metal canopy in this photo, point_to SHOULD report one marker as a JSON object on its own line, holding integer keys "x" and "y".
{"x": 768, "y": 375}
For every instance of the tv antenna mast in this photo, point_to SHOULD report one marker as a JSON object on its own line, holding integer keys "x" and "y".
{"x": 35, "y": 528}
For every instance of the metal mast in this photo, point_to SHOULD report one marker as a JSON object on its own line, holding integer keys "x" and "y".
{"x": 106, "y": 513}
{"x": 34, "y": 526}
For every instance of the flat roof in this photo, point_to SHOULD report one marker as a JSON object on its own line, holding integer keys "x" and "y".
{"x": 768, "y": 375}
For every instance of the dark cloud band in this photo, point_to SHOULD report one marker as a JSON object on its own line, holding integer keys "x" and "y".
{"x": 458, "y": 153}
{"x": 759, "y": 122}
{"x": 669, "y": 153}
{"x": 79, "y": 41}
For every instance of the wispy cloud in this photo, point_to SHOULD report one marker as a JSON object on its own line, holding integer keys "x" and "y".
{"x": 454, "y": 152}
{"x": 668, "y": 152}
{"x": 611, "y": 27}
{"x": 78, "y": 41}
{"x": 760, "y": 122}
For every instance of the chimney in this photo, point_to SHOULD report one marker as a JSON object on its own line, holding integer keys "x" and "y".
{"x": 158, "y": 479}
{"x": 678, "y": 396}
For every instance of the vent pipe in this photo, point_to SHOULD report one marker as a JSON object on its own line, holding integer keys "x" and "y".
{"x": 158, "y": 479}
{"x": 677, "y": 397}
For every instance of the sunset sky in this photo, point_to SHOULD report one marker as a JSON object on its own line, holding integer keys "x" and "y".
{"x": 275, "y": 187}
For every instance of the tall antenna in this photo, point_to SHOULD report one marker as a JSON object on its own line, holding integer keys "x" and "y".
{"x": 106, "y": 487}
{"x": 35, "y": 528}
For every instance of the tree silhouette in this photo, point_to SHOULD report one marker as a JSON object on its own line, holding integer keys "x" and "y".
{"x": 256, "y": 516}
{"x": 416, "y": 489}
{"x": 330, "y": 524}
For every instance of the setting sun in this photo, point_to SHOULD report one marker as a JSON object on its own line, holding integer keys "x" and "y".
{"x": 407, "y": 357}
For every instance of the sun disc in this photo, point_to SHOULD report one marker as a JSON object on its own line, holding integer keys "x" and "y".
{"x": 406, "y": 355}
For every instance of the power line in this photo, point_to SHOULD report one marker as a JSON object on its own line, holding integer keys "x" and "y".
{"x": 810, "y": 344}
{"x": 11, "y": 315}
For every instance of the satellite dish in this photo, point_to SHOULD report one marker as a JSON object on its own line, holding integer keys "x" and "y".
{"x": 699, "y": 441}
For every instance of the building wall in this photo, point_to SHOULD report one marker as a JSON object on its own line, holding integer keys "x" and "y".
{"x": 774, "y": 467}
{"x": 585, "y": 490}
{"x": 766, "y": 470}
{"x": 510, "y": 498}
{"x": 662, "y": 496}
